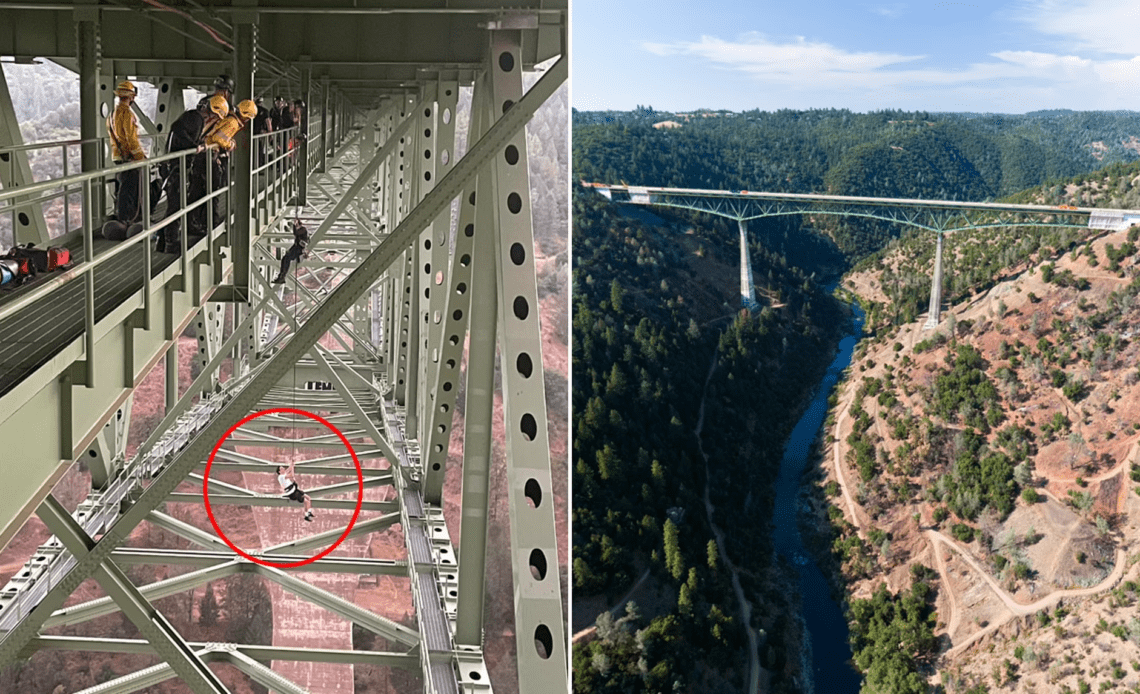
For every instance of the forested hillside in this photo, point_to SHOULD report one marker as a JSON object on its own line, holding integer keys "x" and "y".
{"x": 1000, "y": 450}
{"x": 655, "y": 304}
{"x": 885, "y": 153}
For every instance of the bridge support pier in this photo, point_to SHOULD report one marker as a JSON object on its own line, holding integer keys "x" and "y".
{"x": 935, "y": 289}
{"x": 747, "y": 290}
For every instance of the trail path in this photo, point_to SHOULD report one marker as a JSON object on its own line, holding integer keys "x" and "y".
{"x": 745, "y": 606}
{"x": 617, "y": 605}
{"x": 936, "y": 539}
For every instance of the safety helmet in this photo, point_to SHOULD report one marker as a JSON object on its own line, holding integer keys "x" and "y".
{"x": 224, "y": 82}
{"x": 219, "y": 105}
{"x": 126, "y": 88}
{"x": 247, "y": 109}
{"x": 259, "y": 101}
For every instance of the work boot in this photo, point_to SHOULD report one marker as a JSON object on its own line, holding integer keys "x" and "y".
{"x": 115, "y": 230}
{"x": 172, "y": 242}
{"x": 280, "y": 279}
{"x": 134, "y": 229}
{"x": 309, "y": 516}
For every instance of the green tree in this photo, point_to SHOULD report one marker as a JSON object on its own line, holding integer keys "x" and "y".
{"x": 617, "y": 294}
{"x": 208, "y": 608}
{"x": 674, "y": 562}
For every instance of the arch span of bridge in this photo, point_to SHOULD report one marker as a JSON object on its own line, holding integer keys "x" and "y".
{"x": 938, "y": 217}
{"x": 373, "y": 336}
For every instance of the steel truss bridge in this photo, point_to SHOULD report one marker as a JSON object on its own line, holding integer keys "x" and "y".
{"x": 370, "y": 332}
{"x": 939, "y": 217}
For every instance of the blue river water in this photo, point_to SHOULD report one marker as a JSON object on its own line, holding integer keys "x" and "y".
{"x": 831, "y": 653}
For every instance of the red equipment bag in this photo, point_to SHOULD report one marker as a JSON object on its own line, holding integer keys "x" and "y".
{"x": 37, "y": 257}
{"x": 57, "y": 256}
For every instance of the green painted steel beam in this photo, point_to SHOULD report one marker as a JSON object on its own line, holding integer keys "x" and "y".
{"x": 324, "y": 539}
{"x": 340, "y": 299}
{"x": 131, "y": 556}
{"x": 153, "y": 625}
{"x": 479, "y": 405}
{"x": 389, "y": 629}
{"x": 539, "y": 630}
{"x": 406, "y": 661}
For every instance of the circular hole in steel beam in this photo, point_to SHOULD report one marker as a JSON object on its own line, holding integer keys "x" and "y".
{"x": 528, "y": 426}
{"x": 521, "y": 308}
{"x": 537, "y": 564}
{"x": 518, "y": 253}
{"x": 543, "y": 641}
{"x": 514, "y": 203}
{"x": 506, "y": 61}
{"x": 511, "y": 154}
{"x": 524, "y": 365}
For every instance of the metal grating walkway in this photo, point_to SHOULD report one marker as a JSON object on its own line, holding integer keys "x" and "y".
{"x": 34, "y": 334}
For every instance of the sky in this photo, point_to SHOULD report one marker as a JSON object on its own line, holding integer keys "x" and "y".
{"x": 986, "y": 56}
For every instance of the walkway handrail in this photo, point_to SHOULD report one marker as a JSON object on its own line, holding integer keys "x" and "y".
{"x": 79, "y": 178}
{"x": 91, "y": 262}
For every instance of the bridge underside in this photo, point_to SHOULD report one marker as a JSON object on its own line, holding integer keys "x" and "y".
{"x": 369, "y": 333}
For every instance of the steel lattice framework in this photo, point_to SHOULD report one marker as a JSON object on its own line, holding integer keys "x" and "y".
{"x": 370, "y": 333}
{"x": 936, "y": 216}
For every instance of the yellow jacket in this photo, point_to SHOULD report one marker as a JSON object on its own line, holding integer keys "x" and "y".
{"x": 222, "y": 134}
{"x": 124, "y": 132}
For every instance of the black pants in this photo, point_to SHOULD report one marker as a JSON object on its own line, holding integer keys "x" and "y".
{"x": 197, "y": 191}
{"x": 294, "y": 253}
{"x": 171, "y": 234}
{"x": 127, "y": 203}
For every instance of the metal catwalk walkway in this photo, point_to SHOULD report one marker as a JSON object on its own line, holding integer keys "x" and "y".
{"x": 32, "y": 335}
{"x": 370, "y": 332}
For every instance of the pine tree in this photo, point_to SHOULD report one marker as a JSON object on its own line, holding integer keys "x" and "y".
{"x": 208, "y": 608}
{"x": 673, "y": 559}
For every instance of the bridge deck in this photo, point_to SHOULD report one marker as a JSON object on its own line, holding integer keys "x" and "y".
{"x": 34, "y": 334}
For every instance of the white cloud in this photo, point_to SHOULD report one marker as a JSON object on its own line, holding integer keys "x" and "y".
{"x": 799, "y": 59}
{"x": 823, "y": 74}
{"x": 1107, "y": 26}
{"x": 890, "y": 11}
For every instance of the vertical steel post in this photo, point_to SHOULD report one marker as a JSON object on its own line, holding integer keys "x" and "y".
{"x": 747, "y": 292}
{"x": 89, "y": 285}
{"x": 172, "y": 375}
{"x": 418, "y": 175}
{"x": 936, "y": 288}
{"x": 240, "y": 235}
{"x": 88, "y": 56}
{"x": 302, "y": 127}
{"x": 480, "y": 397}
{"x": 539, "y": 630}
{"x": 326, "y": 131}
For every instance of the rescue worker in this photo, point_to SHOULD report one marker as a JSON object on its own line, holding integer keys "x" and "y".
{"x": 187, "y": 133}
{"x": 287, "y": 478}
{"x": 295, "y": 252}
{"x": 223, "y": 87}
{"x": 221, "y": 138}
{"x": 123, "y": 128}
{"x": 275, "y": 112}
{"x": 261, "y": 125}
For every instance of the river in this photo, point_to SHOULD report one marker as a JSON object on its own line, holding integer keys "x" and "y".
{"x": 830, "y": 651}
